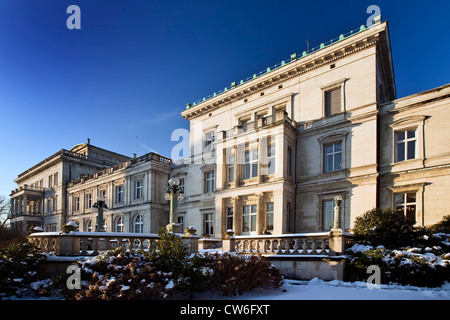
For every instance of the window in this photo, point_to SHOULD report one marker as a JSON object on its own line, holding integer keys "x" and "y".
{"x": 120, "y": 227}
{"x": 55, "y": 203}
{"x": 49, "y": 205}
{"x": 138, "y": 224}
{"x": 119, "y": 194}
{"x": 333, "y": 157}
{"x": 271, "y": 159}
{"x": 269, "y": 216}
{"x": 332, "y": 102}
{"x": 208, "y": 223}
{"x": 180, "y": 221}
{"x": 405, "y": 145}
{"x": 88, "y": 201}
{"x": 327, "y": 214}
{"x": 77, "y": 203}
{"x": 89, "y": 226}
{"x": 181, "y": 185}
{"x": 55, "y": 179}
{"x": 209, "y": 181}
{"x": 405, "y": 203}
{"x": 138, "y": 189}
{"x": 249, "y": 219}
{"x": 50, "y": 181}
{"x": 209, "y": 141}
{"x": 251, "y": 164}
{"x": 289, "y": 161}
{"x": 229, "y": 218}
{"x": 230, "y": 169}
{"x": 288, "y": 217}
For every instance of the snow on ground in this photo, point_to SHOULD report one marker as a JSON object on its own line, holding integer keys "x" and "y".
{"x": 317, "y": 289}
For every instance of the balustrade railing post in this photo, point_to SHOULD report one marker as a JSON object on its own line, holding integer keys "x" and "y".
{"x": 336, "y": 243}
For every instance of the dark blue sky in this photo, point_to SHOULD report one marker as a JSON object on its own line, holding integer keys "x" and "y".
{"x": 135, "y": 64}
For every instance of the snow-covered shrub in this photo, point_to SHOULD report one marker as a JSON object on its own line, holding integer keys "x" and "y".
{"x": 171, "y": 255}
{"x": 417, "y": 266}
{"x": 121, "y": 275}
{"x": 385, "y": 227}
{"x": 232, "y": 274}
{"x": 19, "y": 263}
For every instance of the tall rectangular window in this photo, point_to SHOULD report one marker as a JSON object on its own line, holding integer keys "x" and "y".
{"x": 405, "y": 203}
{"x": 251, "y": 164}
{"x": 88, "y": 201}
{"x": 249, "y": 219}
{"x": 209, "y": 138}
{"x": 209, "y": 181}
{"x": 119, "y": 194}
{"x": 230, "y": 168}
{"x": 269, "y": 216}
{"x": 229, "y": 218}
{"x": 332, "y": 102}
{"x": 76, "y": 204}
{"x": 208, "y": 223}
{"x": 333, "y": 157}
{"x": 181, "y": 186}
{"x": 138, "y": 189}
{"x": 289, "y": 161}
{"x": 271, "y": 159}
{"x": 405, "y": 145}
{"x": 327, "y": 214}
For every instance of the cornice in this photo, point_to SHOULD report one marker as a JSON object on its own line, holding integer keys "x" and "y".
{"x": 290, "y": 70}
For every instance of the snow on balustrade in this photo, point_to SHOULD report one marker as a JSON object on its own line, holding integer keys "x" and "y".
{"x": 318, "y": 243}
{"x": 89, "y": 243}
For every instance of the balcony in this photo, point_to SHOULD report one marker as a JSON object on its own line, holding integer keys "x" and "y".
{"x": 279, "y": 117}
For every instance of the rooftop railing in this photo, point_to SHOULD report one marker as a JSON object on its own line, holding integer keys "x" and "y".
{"x": 294, "y": 57}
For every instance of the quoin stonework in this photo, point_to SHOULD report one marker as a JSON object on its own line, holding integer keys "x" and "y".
{"x": 268, "y": 154}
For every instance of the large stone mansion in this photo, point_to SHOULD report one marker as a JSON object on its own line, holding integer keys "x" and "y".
{"x": 268, "y": 154}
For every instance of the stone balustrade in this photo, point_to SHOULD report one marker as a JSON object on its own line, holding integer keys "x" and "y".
{"x": 321, "y": 243}
{"x": 90, "y": 243}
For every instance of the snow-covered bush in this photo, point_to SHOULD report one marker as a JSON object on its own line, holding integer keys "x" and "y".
{"x": 232, "y": 274}
{"x": 423, "y": 260}
{"x": 19, "y": 263}
{"x": 385, "y": 227}
{"x": 121, "y": 275}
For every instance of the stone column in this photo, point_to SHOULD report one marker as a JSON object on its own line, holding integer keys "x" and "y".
{"x": 25, "y": 204}
{"x": 237, "y": 215}
{"x": 260, "y": 214}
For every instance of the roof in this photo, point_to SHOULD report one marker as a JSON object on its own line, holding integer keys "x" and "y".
{"x": 284, "y": 63}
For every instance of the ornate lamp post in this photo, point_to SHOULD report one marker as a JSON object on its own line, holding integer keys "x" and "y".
{"x": 100, "y": 205}
{"x": 337, "y": 208}
{"x": 173, "y": 194}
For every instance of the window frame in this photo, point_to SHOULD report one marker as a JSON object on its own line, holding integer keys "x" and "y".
{"x": 209, "y": 181}
{"x": 250, "y": 163}
{"x": 405, "y": 204}
{"x": 208, "y": 223}
{"x": 406, "y": 140}
{"x": 333, "y": 155}
{"x": 138, "y": 189}
{"x": 252, "y": 218}
{"x": 119, "y": 194}
{"x": 138, "y": 223}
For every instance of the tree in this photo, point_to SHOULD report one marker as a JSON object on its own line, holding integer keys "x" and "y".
{"x": 5, "y": 210}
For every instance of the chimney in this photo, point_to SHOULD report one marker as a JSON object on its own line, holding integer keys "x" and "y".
{"x": 88, "y": 141}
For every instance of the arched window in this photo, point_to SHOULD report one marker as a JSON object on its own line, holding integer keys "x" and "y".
{"x": 89, "y": 226}
{"x": 120, "y": 227}
{"x": 139, "y": 224}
